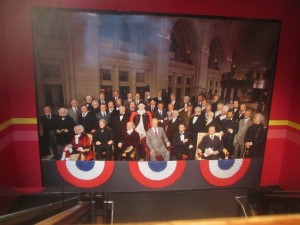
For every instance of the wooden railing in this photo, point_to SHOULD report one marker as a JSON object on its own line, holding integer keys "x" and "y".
{"x": 68, "y": 216}
{"x": 24, "y": 216}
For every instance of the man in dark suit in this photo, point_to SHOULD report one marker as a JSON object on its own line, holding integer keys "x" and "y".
{"x": 183, "y": 143}
{"x": 172, "y": 125}
{"x": 196, "y": 123}
{"x": 229, "y": 129}
{"x": 160, "y": 99}
{"x": 88, "y": 102}
{"x": 74, "y": 112}
{"x": 127, "y": 101}
{"x": 87, "y": 120}
{"x": 211, "y": 145}
{"x": 161, "y": 115}
{"x": 214, "y": 103}
{"x": 208, "y": 122}
{"x": 115, "y": 97}
{"x": 174, "y": 101}
{"x": 103, "y": 141}
{"x": 152, "y": 107}
{"x": 235, "y": 109}
{"x": 129, "y": 142}
{"x": 118, "y": 126}
{"x": 138, "y": 99}
{"x": 64, "y": 130}
{"x": 49, "y": 126}
{"x": 103, "y": 113}
{"x": 255, "y": 138}
{"x": 132, "y": 108}
{"x": 198, "y": 101}
{"x": 240, "y": 115}
{"x": 102, "y": 99}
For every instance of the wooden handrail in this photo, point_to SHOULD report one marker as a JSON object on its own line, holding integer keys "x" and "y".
{"x": 23, "y": 216}
{"x": 68, "y": 216}
{"x": 257, "y": 220}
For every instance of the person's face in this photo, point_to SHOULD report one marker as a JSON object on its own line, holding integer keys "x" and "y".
{"x": 122, "y": 110}
{"x": 229, "y": 115}
{"x": 159, "y": 94}
{"x": 103, "y": 108}
{"x": 174, "y": 115}
{"x": 129, "y": 96}
{"x": 208, "y": 108}
{"x": 256, "y": 119}
{"x": 47, "y": 110}
{"x": 62, "y": 113}
{"x": 129, "y": 126}
{"x": 137, "y": 96}
{"x": 88, "y": 99}
{"x": 235, "y": 104}
{"x": 77, "y": 130}
{"x": 211, "y": 130}
{"x": 190, "y": 108}
{"x": 216, "y": 98}
{"x": 141, "y": 107}
{"x": 210, "y": 116}
{"x": 154, "y": 123}
{"x": 110, "y": 105}
{"x": 95, "y": 105}
{"x": 132, "y": 105}
{"x": 200, "y": 98}
{"x": 173, "y": 98}
{"x": 219, "y": 107}
{"x": 197, "y": 111}
{"x": 247, "y": 114}
{"x": 84, "y": 109}
{"x": 160, "y": 106}
{"x": 181, "y": 128}
{"x": 101, "y": 125}
{"x": 115, "y": 94}
{"x": 152, "y": 103}
{"x": 101, "y": 96}
{"x": 186, "y": 100}
{"x": 171, "y": 107}
{"x": 242, "y": 107}
{"x": 119, "y": 102}
{"x": 74, "y": 103}
{"x": 204, "y": 102}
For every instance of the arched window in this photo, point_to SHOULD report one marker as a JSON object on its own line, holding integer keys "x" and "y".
{"x": 215, "y": 54}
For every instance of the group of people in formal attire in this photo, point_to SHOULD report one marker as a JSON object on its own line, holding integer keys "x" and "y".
{"x": 153, "y": 129}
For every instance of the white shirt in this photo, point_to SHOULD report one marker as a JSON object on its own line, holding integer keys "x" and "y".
{"x": 195, "y": 119}
{"x": 77, "y": 138}
{"x": 129, "y": 131}
{"x": 182, "y": 136}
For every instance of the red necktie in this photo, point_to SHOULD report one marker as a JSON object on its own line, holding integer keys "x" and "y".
{"x": 156, "y": 133}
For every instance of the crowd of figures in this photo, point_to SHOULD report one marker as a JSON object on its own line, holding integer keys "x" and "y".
{"x": 153, "y": 129}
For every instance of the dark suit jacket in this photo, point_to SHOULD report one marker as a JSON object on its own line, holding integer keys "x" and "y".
{"x": 99, "y": 116}
{"x": 176, "y": 104}
{"x": 89, "y": 122}
{"x": 104, "y": 136}
{"x": 119, "y": 126}
{"x": 162, "y": 116}
{"x": 214, "y": 106}
{"x": 172, "y": 127}
{"x": 216, "y": 144}
{"x": 257, "y": 135}
{"x": 177, "y": 144}
{"x": 64, "y": 138}
{"x": 130, "y": 140}
{"x": 197, "y": 126}
{"x": 49, "y": 124}
{"x": 149, "y": 108}
{"x": 204, "y": 127}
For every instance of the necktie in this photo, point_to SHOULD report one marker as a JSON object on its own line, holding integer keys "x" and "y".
{"x": 156, "y": 133}
{"x": 212, "y": 138}
{"x": 48, "y": 117}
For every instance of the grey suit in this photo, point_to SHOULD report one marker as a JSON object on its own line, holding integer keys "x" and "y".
{"x": 239, "y": 138}
{"x": 157, "y": 143}
{"x": 100, "y": 116}
{"x": 74, "y": 115}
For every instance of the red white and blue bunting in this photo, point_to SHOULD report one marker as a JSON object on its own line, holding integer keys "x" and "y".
{"x": 157, "y": 174}
{"x": 224, "y": 172}
{"x": 86, "y": 174}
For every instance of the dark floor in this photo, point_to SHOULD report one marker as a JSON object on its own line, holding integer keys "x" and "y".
{"x": 160, "y": 206}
